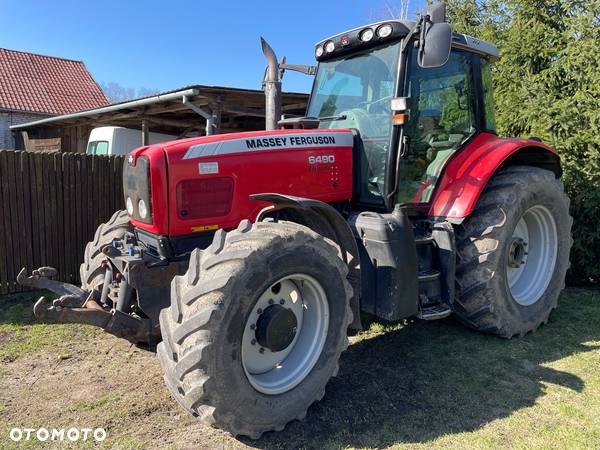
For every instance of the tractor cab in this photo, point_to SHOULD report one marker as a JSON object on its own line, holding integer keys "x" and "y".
{"x": 411, "y": 114}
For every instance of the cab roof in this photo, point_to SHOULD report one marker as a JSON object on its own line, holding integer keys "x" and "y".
{"x": 349, "y": 41}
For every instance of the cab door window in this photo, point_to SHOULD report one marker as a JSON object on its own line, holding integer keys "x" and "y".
{"x": 442, "y": 117}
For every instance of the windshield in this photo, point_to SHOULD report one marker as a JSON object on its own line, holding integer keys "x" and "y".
{"x": 354, "y": 92}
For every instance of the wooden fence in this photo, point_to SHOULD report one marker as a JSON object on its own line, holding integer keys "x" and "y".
{"x": 50, "y": 207}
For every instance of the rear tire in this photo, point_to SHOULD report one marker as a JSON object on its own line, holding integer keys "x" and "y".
{"x": 91, "y": 271}
{"x": 204, "y": 349}
{"x": 508, "y": 285}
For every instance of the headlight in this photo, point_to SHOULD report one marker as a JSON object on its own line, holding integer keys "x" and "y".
{"x": 384, "y": 30}
{"x": 366, "y": 35}
{"x": 329, "y": 47}
{"x": 319, "y": 51}
{"x": 129, "y": 205}
{"x": 143, "y": 210}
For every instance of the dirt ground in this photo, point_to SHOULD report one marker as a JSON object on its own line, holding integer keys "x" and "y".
{"x": 404, "y": 385}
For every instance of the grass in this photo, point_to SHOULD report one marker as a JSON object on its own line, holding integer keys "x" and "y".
{"x": 407, "y": 385}
{"x": 20, "y": 334}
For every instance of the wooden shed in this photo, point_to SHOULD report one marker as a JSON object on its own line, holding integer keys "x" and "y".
{"x": 192, "y": 110}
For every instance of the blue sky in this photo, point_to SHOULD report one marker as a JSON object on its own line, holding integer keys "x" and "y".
{"x": 168, "y": 44}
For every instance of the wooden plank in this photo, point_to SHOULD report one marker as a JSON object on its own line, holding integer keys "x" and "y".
{"x": 5, "y": 247}
{"x": 65, "y": 217}
{"x": 116, "y": 183}
{"x": 66, "y": 174}
{"x": 89, "y": 198}
{"x": 15, "y": 236}
{"x": 25, "y": 137}
{"x": 78, "y": 212}
{"x": 26, "y": 174}
{"x": 90, "y": 210}
{"x": 121, "y": 192}
{"x": 113, "y": 184}
{"x": 73, "y": 219}
{"x": 47, "y": 211}
{"x": 93, "y": 193}
{"x": 26, "y": 208}
{"x": 83, "y": 213}
{"x": 107, "y": 187}
{"x": 17, "y": 212}
{"x": 97, "y": 192}
{"x": 41, "y": 200}
{"x": 51, "y": 209}
{"x": 67, "y": 206}
{"x": 98, "y": 173}
{"x": 35, "y": 227}
{"x": 63, "y": 248}
{"x": 43, "y": 145}
{"x": 102, "y": 188}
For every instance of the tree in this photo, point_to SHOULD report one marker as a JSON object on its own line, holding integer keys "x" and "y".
{"x": 117, "y": 93}
{"x": 547, "y": 84}
{"x": 389, "y": 9}
{"x": 398, "y": 9}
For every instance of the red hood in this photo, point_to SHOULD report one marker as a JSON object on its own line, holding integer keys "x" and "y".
{"x": 314, "y": 164}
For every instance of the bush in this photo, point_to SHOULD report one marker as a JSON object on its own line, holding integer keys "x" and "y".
{"x": 547, "y": 84}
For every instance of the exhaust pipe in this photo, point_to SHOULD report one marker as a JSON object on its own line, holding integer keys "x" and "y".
{"x": 272, "y": 88}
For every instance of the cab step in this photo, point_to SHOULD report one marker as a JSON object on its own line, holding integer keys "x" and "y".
{"x": 434, "y": 312}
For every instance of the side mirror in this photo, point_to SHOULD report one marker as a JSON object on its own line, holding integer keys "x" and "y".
{"x": 436, "y": 38}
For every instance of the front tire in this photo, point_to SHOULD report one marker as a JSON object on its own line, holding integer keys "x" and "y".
{"x": 233, "y": 350}
{"x": 91, "y": 271}
{"x": 513, "y": 253}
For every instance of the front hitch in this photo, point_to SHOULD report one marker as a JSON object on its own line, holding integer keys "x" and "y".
{"x": 76, "y": 305}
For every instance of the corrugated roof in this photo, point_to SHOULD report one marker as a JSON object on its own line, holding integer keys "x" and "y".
{"x": 46, "y": 84}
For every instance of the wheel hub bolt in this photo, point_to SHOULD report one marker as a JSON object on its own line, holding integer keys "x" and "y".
{"x": 271, "y": 301}
{"x": 253, "y": 341}
{"x": 282, "y": 302}
{"x": 253, "y": 326}
{"x": 259, "y": 311}
{"x": 261, "y": 350}
{"x": 517, "y": 253}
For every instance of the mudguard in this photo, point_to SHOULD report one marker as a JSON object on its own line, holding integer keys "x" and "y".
{"x": 468, "y": 172}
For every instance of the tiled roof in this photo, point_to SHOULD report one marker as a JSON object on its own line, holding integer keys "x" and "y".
{"x": 46, "y": 84}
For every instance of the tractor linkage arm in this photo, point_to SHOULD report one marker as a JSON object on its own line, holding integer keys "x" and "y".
{"x": 76, "y": 305}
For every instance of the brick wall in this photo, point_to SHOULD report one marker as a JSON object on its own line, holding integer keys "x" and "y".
{"x": 8, "y": 118}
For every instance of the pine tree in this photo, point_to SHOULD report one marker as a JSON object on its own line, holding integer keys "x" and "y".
{"x": 547, "y": 84}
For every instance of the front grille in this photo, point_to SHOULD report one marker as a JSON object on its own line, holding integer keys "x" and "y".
{"x": 136, "y": 186}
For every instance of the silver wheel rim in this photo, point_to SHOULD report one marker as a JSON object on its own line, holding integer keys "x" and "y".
{"x": 276, "y": 372}
{"x": 532, "y": 255}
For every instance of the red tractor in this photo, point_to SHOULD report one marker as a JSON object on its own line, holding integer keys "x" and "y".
{"x": 247, "y": 257}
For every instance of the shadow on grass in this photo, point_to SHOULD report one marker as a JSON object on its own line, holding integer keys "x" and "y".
{"x": 426, "y": 380}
